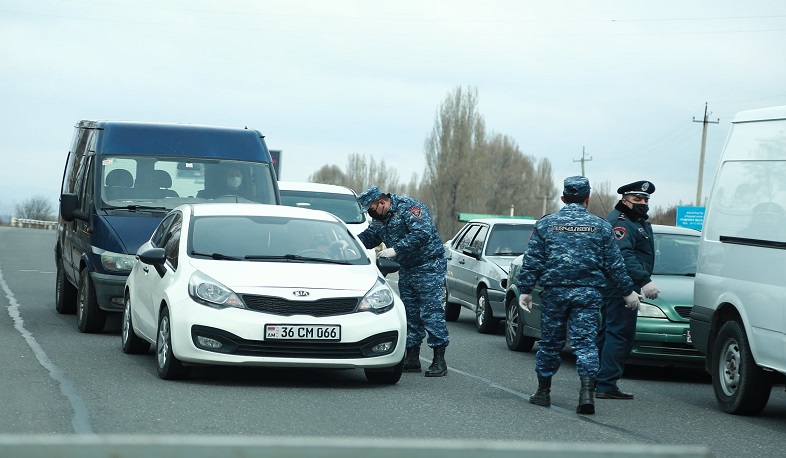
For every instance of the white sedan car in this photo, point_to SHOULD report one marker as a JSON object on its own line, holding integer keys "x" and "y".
{"x": 265, "y": 285}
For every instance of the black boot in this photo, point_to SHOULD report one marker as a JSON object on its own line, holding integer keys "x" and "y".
{"x": 542, "y": 397}
{"x": 412, "y": 359}
{"x": 438, "y": 368}
{"x": 586, "y": 396}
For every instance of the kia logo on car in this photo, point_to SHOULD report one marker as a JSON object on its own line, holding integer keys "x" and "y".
{"x": 300, "y": 293}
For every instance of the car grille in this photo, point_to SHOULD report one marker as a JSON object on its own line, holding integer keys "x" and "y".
{"x": 234, "y": 345}
{"x": 683, "y": 311}
{"x": 666, "y": 348}
{"x": 322, "y": 307}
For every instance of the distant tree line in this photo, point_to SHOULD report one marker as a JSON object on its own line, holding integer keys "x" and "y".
{"x": 469, "y": 170}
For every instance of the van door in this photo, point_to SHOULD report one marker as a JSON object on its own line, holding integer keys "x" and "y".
{"x": 746, "y": 242}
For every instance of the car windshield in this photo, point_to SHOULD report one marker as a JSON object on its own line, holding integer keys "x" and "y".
{"x": 345, "y": 206}
{"x": 676, "y": 254}
{"x": 276, "y": 239}
{"x": 166, "y": 182}
{"x": 508, "y": 240}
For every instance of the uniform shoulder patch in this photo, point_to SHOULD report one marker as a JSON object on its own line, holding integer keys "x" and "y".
{"x": 619, "y": 232}
{"x": 416, "y": 212}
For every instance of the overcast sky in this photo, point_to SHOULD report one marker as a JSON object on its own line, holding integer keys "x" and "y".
{"x": 622, "y": 80}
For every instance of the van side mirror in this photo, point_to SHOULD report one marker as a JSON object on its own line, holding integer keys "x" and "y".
{"x": 156, "y": 257}
{"x": 69, "y": 208}
{"x": 387, "y": 266}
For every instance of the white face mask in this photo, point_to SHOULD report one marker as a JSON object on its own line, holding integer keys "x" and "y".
{"x": 233, "y": 182}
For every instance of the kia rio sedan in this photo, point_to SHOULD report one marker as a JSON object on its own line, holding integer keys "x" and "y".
{"x": 663, "y": 324}
{"x": 262, "y": 285}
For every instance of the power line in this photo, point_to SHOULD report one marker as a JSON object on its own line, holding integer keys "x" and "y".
{"x": 582, "y": 160}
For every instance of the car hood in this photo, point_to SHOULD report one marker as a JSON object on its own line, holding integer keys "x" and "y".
{"x": 132, "y": 231}
{"x": 253, "y": 275}
{"x": 503, "y": 262}
{"x": 674, "y": 290}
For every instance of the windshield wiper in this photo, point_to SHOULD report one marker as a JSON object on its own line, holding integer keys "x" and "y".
{"x": 293, "y": 257}
{"x": 217, "y": 256}
{"x": 138, "y": 207}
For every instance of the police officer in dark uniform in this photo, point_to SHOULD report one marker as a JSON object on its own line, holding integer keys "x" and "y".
{"x": 572, "y": 255}
{"x": 405, "y": 226}
{"x": 633, "y": 234}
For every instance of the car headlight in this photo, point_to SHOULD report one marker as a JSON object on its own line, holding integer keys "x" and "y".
{"x": 212, "y": 293}
{"x": 378, "y": 300}
{"x": 650, "y": 311}
{"x": 116, "y": 262}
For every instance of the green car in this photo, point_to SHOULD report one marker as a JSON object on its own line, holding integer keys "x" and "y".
{"x": 663, "y": 324}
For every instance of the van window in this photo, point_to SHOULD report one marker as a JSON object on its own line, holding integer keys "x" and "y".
{"x": 749, "y": 202}
{"x": 169, "y": 182}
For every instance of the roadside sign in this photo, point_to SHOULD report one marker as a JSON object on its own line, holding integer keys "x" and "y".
{"x": 690, "y": 217}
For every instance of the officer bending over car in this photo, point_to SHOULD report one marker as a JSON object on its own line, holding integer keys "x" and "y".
{"x": 404, "y": 225}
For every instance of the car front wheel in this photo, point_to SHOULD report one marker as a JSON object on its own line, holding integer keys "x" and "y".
{"x": 389, "y": 376}
{"x": 452, "y": 310}
{"x": 514, "y": 328}
{"x": 89, "y": 316}
{"x": 169, "y": 367}
{"x": 484, "y": 317}
{"x": 741, "y": 387}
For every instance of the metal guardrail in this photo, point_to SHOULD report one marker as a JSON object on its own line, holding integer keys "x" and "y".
{"x": 24, "y": 222}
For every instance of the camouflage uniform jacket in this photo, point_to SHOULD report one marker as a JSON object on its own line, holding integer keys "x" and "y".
{"x": 409, "y": 230}
{"x": 637, "y": 245}
{"x": 572, "y": 248}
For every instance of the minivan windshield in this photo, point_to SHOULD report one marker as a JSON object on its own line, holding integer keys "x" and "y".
{"x": 148, "y": 181}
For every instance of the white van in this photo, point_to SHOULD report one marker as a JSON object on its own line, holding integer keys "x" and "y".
{"x": 739, "y": 314}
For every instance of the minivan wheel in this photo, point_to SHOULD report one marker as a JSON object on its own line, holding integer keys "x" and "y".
{"x": 514, "y": 328}
{"x": 741, "y": 386}
{"x": 89, "y": 316}
{"x": 168, "y": 366}
{"x": 484, "y": 317}
{"x": 132, "y": 343}
{"x": 65, "y": 293}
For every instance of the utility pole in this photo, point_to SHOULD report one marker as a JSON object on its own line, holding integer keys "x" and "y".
{"x": 582, "y": 160}
{"x": 701, "y": 155}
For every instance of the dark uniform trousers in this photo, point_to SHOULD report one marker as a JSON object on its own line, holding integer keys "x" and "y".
{"x": 421, "y": 289}
{"x": 615, "y": 341}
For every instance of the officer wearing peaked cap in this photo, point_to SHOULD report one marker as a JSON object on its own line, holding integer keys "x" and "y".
{"x": 633, "y": 234}
{"x": 572, "y": 255}
{"x": 405, "y": 226}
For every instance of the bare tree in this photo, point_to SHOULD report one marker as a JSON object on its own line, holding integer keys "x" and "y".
{"x": 328, "y": 174}
{"x": 665, "y": 215}
{"x": 546, "y": 192}
{"x": 452, "y": 160}
{"x": 37, "y": 207}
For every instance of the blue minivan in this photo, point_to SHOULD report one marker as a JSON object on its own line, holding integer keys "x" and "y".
{"x": 121, "y": 179}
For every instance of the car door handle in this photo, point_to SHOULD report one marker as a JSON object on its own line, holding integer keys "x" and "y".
{"x": 461, "y": 261}
{"x": 146, "y": 269}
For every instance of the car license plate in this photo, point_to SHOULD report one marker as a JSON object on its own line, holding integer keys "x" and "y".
{"x": 302, "y": 332}
{"x": 686, "y": 336}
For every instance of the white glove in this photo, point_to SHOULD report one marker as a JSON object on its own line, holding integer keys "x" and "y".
{"x": 632, "y": 301}
{"x": 525, "y": 302}
{"x": 650, "y": 291}
{"x": 387, "y": 253}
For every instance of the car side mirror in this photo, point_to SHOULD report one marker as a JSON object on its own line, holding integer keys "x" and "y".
{"x": 471, "y": 251}
{"x": 387, "y": 266}
{"x": 156, "y": 257}
{"x": 69, "y": 207}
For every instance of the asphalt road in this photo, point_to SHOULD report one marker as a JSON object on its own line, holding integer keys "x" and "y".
{"x": 56, "y": 380}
